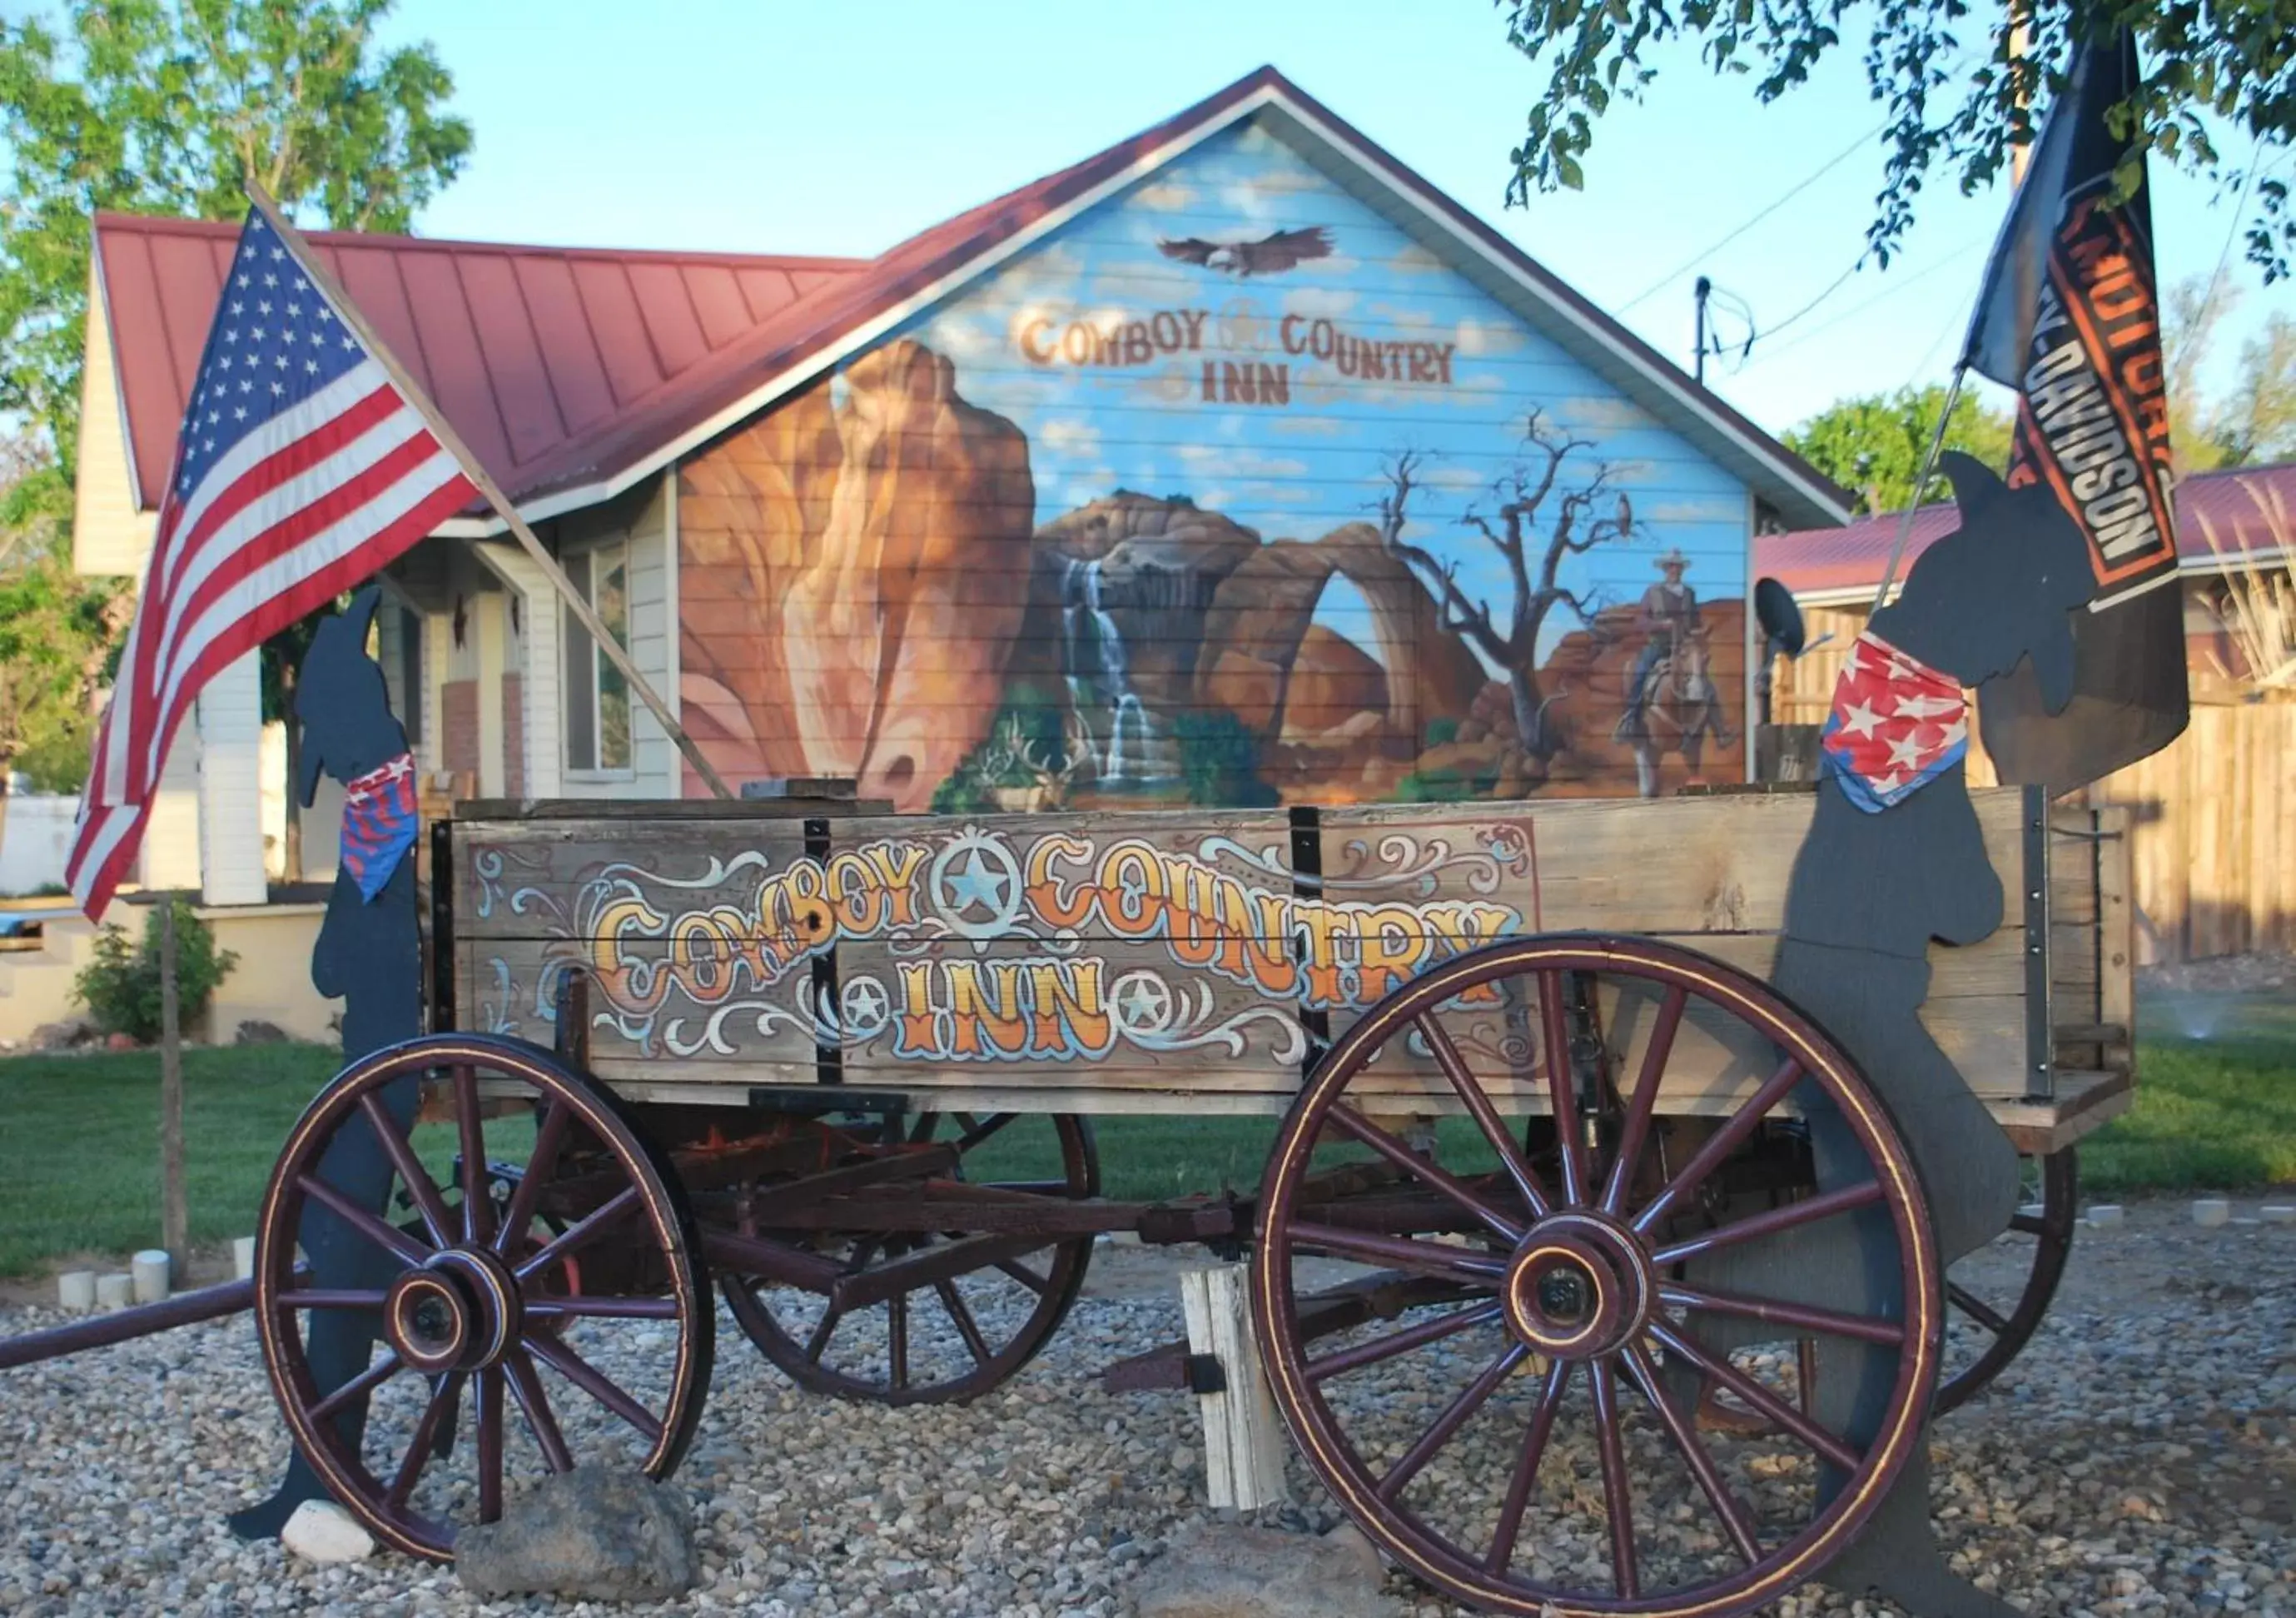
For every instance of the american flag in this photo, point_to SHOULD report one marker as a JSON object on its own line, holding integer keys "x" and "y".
{"x": 301, "y": 470}
{"x": 1897, "y": 725}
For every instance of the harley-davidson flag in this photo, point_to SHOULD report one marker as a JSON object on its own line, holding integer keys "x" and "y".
{"x": 2071, "y": 318}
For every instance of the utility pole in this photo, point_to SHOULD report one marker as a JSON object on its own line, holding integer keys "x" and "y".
{"x": 1699, "y": 291}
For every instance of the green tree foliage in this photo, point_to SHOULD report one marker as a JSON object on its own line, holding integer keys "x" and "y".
{"x": 1958, "y": 99}
{"x": 2254, "y": 420}
{"x": 1873, "y": 446}
{"x": 56, "y": 632}
{"x": 121, "y": 984}
{"x": 160, "y": 106}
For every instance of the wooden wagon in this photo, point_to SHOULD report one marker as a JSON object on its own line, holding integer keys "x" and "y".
{"x": 1521, "y": 1066}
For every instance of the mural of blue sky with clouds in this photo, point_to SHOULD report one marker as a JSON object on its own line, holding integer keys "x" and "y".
{"x": 1274, "y": 360}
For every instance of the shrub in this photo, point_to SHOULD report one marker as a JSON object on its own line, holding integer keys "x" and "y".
{"x": 120, "y": 987}
{"x": 1219, "y": 761}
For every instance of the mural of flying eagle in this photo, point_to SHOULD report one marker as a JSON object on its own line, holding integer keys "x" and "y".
{"x": 1267, "y": 257}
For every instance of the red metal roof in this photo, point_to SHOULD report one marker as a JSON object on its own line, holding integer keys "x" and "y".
{"x": 526, "y": 348}
{"x": 2250, "y": 511}
{"x": 606, "y": 359}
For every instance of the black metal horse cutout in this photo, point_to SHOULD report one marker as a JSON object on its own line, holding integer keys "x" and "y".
{"x": 1877, "y": 878}
{"x": 369, "y": 952}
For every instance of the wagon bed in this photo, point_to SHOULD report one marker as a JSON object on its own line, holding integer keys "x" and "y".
{"x": 1195, "y": 961}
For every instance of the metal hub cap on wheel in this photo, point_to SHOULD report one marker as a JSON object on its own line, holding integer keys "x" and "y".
{"x": 1579, "y": 1287}
{"x": 459, "y": 1312}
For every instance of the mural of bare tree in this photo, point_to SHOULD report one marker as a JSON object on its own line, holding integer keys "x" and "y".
{"x": 1534, "y": 539}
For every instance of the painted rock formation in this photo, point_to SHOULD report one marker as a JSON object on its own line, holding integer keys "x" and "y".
{"x": 895, "y": 636}
{"x": 752, "y": 513}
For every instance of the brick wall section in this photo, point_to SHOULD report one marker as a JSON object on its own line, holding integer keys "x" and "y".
{"x": 458, "y": 728}
{"x": 513, "y": 736}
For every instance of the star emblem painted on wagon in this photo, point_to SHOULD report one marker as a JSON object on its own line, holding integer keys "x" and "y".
{"x": 975, "y": 884}
{"x": 866, "y": 1007}
{"x": 1141, "y": 1003}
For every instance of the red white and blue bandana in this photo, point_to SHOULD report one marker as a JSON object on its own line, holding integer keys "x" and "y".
{"x": 378, "y": 823}
{"x": 1897, "y": 725}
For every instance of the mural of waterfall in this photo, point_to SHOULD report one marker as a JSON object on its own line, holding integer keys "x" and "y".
{"x": 1099, "y": 682}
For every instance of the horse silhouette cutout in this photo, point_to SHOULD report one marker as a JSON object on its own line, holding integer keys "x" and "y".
{"x": 1872, "y": 885}
{"x": 369, "y": 954}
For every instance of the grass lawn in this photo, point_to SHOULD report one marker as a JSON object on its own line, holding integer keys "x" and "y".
{"x": 2215, "y": 1107}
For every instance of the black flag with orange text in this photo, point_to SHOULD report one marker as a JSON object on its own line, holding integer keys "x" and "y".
{"x": 2071, "y": 318}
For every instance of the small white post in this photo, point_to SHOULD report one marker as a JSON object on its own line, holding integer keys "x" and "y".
{"x": 1244, "y": 1446}
{"x": 114, "y": 1289}
{"x": 76, "y": 1290}
{"x": 148, "y": 1275}
{"x": 242, "y": 1257}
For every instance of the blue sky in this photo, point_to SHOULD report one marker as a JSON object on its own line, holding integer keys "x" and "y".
{"x": 775, "y": 126}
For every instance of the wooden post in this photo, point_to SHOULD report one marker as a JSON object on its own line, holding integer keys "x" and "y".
{"x": 175, "y": 1216}
{"x": 1244, "y": 1446}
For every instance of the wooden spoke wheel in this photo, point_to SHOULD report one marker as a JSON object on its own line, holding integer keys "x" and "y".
{"x": 958, "y": 1334}
{"x": 1533, "y": 1448}
{"x": 496, "y": 1337}
{"x": 1985, "y": 1327}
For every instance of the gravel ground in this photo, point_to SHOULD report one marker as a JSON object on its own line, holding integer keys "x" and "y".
{"x": 2137, "y": 1459}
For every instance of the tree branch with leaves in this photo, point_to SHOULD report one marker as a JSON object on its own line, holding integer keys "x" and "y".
{"x": 1962, "y": 85}
{"x": 1510, "y": 523}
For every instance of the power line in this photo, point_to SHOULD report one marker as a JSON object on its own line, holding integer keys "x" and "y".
{"x": 1690, "y": 263}
{"x": 1823, "y": 326}
{"x": 1838, "y": 283}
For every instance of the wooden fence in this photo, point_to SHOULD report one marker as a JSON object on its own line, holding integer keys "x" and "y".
{"x": 2215, "y": 813}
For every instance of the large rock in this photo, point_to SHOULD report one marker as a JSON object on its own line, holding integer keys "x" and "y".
{"x": 750, "y": 516}
{"x": 1259, "y": 617}
{"x": 1217, "y": 1570}
{"x": 1332, "y": 680}
{"x": 1431, "y": 673}
{"x": 897, "y": 634}
{"x": 591, "y": 1534}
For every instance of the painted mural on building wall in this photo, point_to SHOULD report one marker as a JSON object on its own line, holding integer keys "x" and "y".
{"x": 1229, "y": 492}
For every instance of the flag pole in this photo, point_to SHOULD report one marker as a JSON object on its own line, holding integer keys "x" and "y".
{"x": 1914, "y": 501}
{"x": 452, "y": 442}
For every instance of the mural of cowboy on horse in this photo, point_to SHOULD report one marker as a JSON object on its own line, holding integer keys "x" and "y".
{"x": 1671, "y": 701}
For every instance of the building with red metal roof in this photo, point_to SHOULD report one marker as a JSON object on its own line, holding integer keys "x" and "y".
{"x": 860, "y": 517}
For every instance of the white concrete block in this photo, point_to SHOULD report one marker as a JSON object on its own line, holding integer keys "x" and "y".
{"x": 323, "y": 1532}
{"x": 242, "y": 1257}
{"x": 76, "y": 1290}
{"x": 148, "y": 1275}
{"x": 2210, "y": 1211}
{"x": 2102, "y": 1214}
{"x": 114, "y": 1290}
{"x": 2278, "y": 1213}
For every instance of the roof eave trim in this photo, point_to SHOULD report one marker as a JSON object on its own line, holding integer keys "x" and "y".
{"x": 118, "y": 385}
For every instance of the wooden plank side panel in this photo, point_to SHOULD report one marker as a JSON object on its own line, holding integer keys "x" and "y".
{"x": 1144, "y": 952}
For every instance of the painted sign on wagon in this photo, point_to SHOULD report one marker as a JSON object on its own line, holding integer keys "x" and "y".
{"x": 990, "y": 942}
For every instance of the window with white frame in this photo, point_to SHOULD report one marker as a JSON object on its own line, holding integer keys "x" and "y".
{"x": 597, "y": 696}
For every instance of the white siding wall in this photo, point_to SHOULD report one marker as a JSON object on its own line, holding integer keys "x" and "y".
{"x": 538, "y": 663}
{"x": 230, "y": 786}
{"x": 110, "y": 536}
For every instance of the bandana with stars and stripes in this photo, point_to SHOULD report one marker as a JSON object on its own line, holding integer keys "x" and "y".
{"x": 1897, "y": 725}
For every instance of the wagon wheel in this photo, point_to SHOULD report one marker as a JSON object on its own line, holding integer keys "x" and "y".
{"x": 956, "y": 1338}
{"x": 1982, "y": 1337}
{"x": 568, "y": 1322}
{"x": 1533, "y": 1450}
